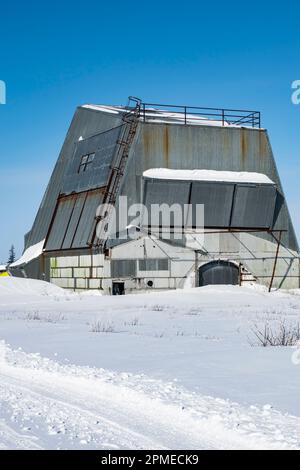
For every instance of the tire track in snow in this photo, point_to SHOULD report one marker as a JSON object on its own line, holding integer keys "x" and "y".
{"x": 74, "y": 407}
{"x": 89, "y": 418}
{"x": 60, "y": 417}
{"x": 10, "y": 438}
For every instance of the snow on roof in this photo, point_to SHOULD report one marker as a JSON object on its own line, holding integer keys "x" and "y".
{"x": 31, "y": 253}
{"x": 163, "y": 116}
{"x": 2, "y": 267}
{"x": 106, "y": 109}
{"x": 207, "y": 175}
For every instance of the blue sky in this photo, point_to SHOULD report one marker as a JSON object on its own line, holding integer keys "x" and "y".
{"x": 57, "y": 55}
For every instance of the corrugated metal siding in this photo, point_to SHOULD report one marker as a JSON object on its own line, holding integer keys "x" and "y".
{"x": 253, "y": 206}
{"x": 84, "y": 123}
{"x": 225, "y": 204}
{"x": 60, "y": 224}
{"x": 217, "y": 200}
{"x": 153, "y": 264}
{"x": 165, "y": 192}
{"x": 73, "y": 221}
{"x": 123, "y": 268}
{"x": 83, "y": 232}
{"x": 205, "y": 147}
{"x": 32, "y": 269}
{"x": 96, "y": 175}
{"x": 170, "y": 192}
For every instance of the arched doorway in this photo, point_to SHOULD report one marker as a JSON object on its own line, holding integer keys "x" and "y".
{"x": 218, "y": 272}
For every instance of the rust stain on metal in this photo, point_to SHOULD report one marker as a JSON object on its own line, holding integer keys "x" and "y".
{"x": 166, "y": 145}
{"x": 226, "y": 142}
{"x": 146, "y": 141}
{"x": 244, "y": 146}
{"x": 263, "y": 145}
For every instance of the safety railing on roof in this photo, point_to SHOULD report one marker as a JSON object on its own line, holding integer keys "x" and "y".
{"x": 150, "y": 112}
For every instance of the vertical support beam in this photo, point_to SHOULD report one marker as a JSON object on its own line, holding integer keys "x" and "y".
{"x": 42, "y": 266}
{"x": 240, "y": 274}
{"x": 92, "y": 264}
{"x": 275, "y": 260}
{"x": 196, "y": 269}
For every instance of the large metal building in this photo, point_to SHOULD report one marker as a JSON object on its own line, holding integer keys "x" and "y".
{"x": 218, "y": 159}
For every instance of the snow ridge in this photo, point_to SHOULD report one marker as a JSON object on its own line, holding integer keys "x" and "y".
{"x": 89, "y": 407}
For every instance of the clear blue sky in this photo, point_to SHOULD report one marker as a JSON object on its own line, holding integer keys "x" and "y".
{"x": 57, "y": 55}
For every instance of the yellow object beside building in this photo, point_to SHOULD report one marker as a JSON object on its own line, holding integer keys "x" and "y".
{"x": 4, "y": 274}
{"x": 3, "y": 270}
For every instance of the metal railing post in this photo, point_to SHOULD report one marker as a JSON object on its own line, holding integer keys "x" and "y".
{"x": 275, "y": 260}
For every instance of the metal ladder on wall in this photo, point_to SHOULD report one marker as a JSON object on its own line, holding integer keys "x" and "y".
{"x": 127, "y": 134}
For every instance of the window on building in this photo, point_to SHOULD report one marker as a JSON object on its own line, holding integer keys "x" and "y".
{"x": 123, "y": 268}
{"x": 86, "y": 161}
{"x": 153, "y": 264}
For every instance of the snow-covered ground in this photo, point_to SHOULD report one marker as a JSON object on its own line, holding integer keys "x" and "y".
{"x": 162, "y": 371}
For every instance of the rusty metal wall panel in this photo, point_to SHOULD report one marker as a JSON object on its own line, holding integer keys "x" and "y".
{"x": 216, "y": 197}
{"x": 60, "y": 224}
{"x": 205, "y": 147}
{"x": 253, "y": 206}
{"x": 74, "y": 220}
{"x": 96, "y": 174}
{"x": 225, "y": 204}
{"x": 87, "y": 218}
{"x": 217, "y": 200}
{"x": 84, "y": 123}
{"x": 165, "y": 192}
